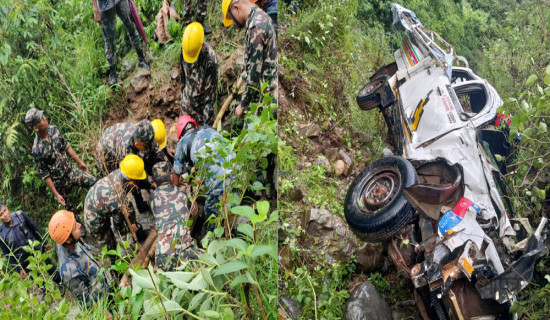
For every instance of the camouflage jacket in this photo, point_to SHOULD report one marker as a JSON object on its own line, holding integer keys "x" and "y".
{"x": 203, "y": 145}
{"x": 79, "y": 273}
{"x": 102, "y": 203}
{"x": 118, "y": 141}
{"x": 170, "y": 208}
{"x": 200, "y": 84}
{"x": 51, "y": 156}
{"x": 260, "y": 55}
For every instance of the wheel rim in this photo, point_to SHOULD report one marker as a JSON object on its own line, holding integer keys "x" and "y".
{"x": 380, "y": 190}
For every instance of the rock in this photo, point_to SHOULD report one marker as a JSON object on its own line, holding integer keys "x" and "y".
{"x": 291, "y": 308}
{"x": 322, "y": 161}
{"x": 347, "y": 161}
{"x": 363, "y": 137}
{"x": 332, "y": 154}
{"x": 295, "y": 194}
{"x": 366, "y": 303}
{"x": 310, "y": 130}
{"x": 369, "y": 258}
{"x": 140, "y": 80}
{"x": 386, "y": 152}
{"x": 339, "y": 168}
{"x": 128, "y": 66}
{"x": 307, "y": 164}
{"x": 175, "y": 73}
{"x": 331, "y": 234}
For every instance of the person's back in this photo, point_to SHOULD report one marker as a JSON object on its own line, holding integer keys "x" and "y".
{"x": 170, "y": 207}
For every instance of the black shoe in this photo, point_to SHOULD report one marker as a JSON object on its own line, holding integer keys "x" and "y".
{"x": 112, "y": 76}
{"x": 207, "y": 31}
{"x": 143, "y": 64}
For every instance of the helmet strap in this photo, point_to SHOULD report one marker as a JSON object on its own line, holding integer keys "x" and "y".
{"x": 233, "y": 18}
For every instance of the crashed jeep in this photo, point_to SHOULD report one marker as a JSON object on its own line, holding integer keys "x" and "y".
{"x": 443, "y": 193}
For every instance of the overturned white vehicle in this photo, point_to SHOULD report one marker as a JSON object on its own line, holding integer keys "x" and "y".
{"x": 443, "y": 193}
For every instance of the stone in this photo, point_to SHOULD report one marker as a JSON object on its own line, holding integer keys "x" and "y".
{"x": 330, "y": 234}
{"x": 366, "y": 303}
{"x": 140, "y": 80}
{"x": 332, "y": 154}
{"x": 310, "y": 130}
{"x": 291, "y": 308}
{"x": 369, "y": 257}
{"x": 128, "y": 66}
{"x": 347, "y": 161}
{"x": 339, "y": 168}
{"x": 175, "y": 73}
{"x": 363, "y": 137}
{"x": 322, "y": 161}
{"x": 386, "y": 152}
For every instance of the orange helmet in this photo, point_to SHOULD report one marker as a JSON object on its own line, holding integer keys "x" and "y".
{"x": 61, "y": 226}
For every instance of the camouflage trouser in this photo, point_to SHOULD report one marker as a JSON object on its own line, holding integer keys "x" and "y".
{"x": 200, "y": 6}
{"x": 101, "y": 228}
{"x": 76, "y": 178}
{"x": 108, "y": 23}
{"x": 203, "y": 114}
{"x": 174, "y": 244}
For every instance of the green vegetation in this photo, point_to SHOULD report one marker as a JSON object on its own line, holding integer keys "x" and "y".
{"x": 52, "y": 58}
{"x": 329, "y": 51}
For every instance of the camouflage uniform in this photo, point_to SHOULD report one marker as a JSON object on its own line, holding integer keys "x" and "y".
{"x": 118, "y": 141}
{"x": 260, "y": 58}
{"x": 102, "y": 204}
{"x": 201, "y": 8}
{"x": 270, "y": 7}
{"x": 80, "y": 273}
{"x": 170, "y": 207}
{"x": 205, "y": 138}
{"x": 109, "y": 10}
{"x": 200, "y": 86}
{"x": 52, "y": 161}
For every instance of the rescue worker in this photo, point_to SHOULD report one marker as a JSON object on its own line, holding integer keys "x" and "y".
{"x": 199, "y": 8}
{"x": 79, "y": 270}
{"x": 199, "y": 75}
{"x": 161, "y": 138}
{"x": 51, "y": 154}
{"x": 260, "y": 49}
{"x": 126, "y": 138}
{"x": 109, "y": 9}
{"x": 270, "y": 7}
{"x": 15, "y": 232}
{"x": 195, "y": 143}
{"x": 170, "y": 208}
{"x": 103, "y": 215}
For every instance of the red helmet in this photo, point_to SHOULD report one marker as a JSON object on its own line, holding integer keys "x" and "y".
{"x": 183, "y": 121}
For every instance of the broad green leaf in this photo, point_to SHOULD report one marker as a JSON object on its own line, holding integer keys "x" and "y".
{"x": 208, "y": 258}
{"x": 246, "y": 229}
{"x": 260, "y": 250}
{"x": 540, "y": 193}
{"x": 231, "y": 266}
{"x": 531, "y": 80}
{"x": 198, "y": 283}
{"x": 141, "y": 281}
{"x": 137, "y": 304}
{"x": 205, "y": 272}
{"x": 211, "y": 314}
{"x": 547, "y": 79}
{"x": 499, "y": 158}
{"x": 542, "y": 127}
{"x": 263, "y": 207}
{"x": 525, "y": 105}
{"x": 180, "y": 279}
{"x": 237, "y": 243}
{"x": 245, "y": 211}
{"x": 196, "y": 301}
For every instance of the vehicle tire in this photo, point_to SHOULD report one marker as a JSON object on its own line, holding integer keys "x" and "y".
{"x": 375, "y": 207}
{"x": 369, "y": 97}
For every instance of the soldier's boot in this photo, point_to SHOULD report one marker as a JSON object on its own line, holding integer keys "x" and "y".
{"x": 141, "y": 60}
{"x": 112, "y": 76}
{"x": 207, "y": 30}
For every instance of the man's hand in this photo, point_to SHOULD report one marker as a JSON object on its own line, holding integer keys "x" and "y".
{"x": 170, "y": 151}
{"x": 83, "y": 166}
{"x": 60, "y": 199}
{"x": 175, "y": 179}
{"x": 22, "y": 273}
{"x": 134, "y": 228}
{"x": 239, "y": 112}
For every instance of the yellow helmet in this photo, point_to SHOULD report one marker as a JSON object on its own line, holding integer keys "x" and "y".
{"x": 132, "y": 166}
{"x": 227, "y": 21}
{"x": 191, "y": 42}
{"x": 160, "y": 132}
{"x": 61, "y": 225}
